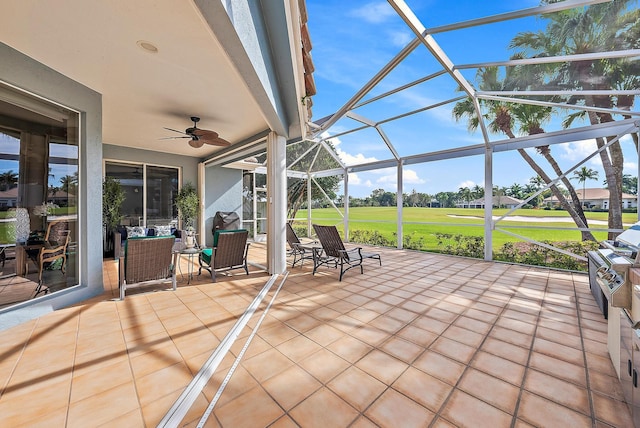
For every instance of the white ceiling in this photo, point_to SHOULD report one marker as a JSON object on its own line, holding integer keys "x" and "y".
{"x": 94, "y": 43}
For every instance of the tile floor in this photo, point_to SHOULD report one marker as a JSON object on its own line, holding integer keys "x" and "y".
{"x": 424, "y": 340}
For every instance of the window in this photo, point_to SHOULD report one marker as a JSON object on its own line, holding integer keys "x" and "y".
{"x": 158, "y": 183}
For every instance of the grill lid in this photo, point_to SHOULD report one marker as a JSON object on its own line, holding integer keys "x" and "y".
{"x": 631, "y": 236}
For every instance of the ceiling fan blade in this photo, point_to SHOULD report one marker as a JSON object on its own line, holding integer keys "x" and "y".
{"x": 196, "y": 144}
{"x": 173, "y": 138}
{"x": 205, "y": 133}
{"x": 174, "y": 130}
{"x": 218, "y": 142}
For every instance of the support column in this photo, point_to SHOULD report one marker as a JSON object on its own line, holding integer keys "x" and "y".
{"x": 202, "y": 235}
{"x": 345, "y": 202}
{"x": 488, "y": 204}
{"x": 399, "y": 202}
{"x": 309, "y": 231}
{"x": 276, "y": 203}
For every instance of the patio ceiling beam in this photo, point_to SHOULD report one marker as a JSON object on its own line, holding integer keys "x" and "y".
{"x": 387, "y": 141}
{"x": 375, "y": 125}
{"x": 420, "y": 110}
{"x": 361, "y": 119}
{"x": 594, "y": 92}
{"x": 294, "y": 174}
{"x": 327, "y": 196}
{"x": 328, "y": 172}
{"x": 243, "y": 149}
{"x": 523, "y": 13}
{"x": 549, "y": 138}
{"x": 561, "y": 105}
{"x": 350, "y": 131}
{"x": 400, "y": 116}
{"x": 460, "y": 152}
{"x": 370, "y": 84}
{"x": 568, "y": 135}
{"x": 552, "y": 59}
{"x": 303, "y": 155}
{"x": 429, "y": 42}
{"x": 315, "y": 157}
{"x": 332, "y": 153}
{"x": 400, "y": 88}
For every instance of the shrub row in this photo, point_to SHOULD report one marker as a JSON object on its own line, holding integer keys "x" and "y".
{"x": 473, "y": 246}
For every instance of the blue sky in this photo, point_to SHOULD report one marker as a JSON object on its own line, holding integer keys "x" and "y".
{"x": 353, "y": 40}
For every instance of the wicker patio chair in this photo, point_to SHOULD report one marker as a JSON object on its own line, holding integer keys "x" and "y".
{"x": 334, "y": 251}
{"x": 230, "y": 248}
{"x": 50, "y": 253}
{"x": 299, "y": 250}
{"x": 147, "y": 260}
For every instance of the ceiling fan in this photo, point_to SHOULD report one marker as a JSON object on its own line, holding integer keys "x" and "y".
{"x": 200, "y": 137}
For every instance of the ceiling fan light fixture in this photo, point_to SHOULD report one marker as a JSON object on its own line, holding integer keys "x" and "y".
{"x": 196, "y": 143}
{"x": 147, "y": 46}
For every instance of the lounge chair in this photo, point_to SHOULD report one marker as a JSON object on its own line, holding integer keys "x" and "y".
{"x": 230, "y": 248}
{"x": 299, "y": 250}
{"x": 334, "y": 251}
{"x": 147, "y": 260}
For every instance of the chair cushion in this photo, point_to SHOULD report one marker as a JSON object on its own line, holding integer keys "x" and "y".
{"x": 162, "y": 230}
{"x": 136, "y": 231}
{"x": 206, "y": 255}
{"x": 218, "y": 232}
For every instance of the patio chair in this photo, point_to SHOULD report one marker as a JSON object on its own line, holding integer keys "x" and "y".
{"x": 334, "y": 251}
{"x": 230, "y": 248}
{"x": 299, "y": 250}
{"x": 50, "y": 253}
{"x": 147, "y": 260}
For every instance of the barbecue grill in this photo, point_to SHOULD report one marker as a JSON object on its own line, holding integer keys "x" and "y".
{"x": 609, "y": 269}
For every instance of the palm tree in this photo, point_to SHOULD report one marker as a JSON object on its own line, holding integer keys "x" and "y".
{"x": 8, "y": 180}
{"x": 501, "y": 120}
{"x": 478, "y": 191}
{"x": 582, "y": 175}
{"x": 515, "y": 190}
{"x": 612, "y": 25}
{"x": 531, "y": 118}
{"x": 69, "y": 183}
{"x": 465, "y": 194}
{"x": 499, "y": 192}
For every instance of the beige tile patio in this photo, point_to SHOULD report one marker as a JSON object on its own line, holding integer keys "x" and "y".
{"x": 453, "y": 342}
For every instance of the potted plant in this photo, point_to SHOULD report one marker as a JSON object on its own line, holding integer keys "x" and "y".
{"x": 188, "y": 203}
{"x": 112, "y": 198}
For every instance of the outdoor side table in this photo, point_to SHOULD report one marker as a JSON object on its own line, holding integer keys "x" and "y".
{"x": 190, "y": 253}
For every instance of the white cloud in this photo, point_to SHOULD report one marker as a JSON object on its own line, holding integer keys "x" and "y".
{"x": 468, "y": 183}
{"x": 401, "y": 38}
{"x": 354, "y": 179}
{"x": 390, "y": 180}
{"x": 630, "y": 168}
{"x": 374, "y": 12}
{"x": 409, "y": 176}
{"x": 579, "y": 150}
{"x": 347, "y": 158}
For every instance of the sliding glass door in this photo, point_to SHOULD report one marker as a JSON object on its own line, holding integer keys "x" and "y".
{"x": 39, "y": 181}
{"x": 149, "y": 192}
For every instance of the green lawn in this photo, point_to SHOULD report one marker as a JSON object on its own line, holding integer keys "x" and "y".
{"x": 427, "y": 222}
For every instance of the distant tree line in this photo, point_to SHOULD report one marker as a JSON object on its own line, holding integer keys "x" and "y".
{"x": 383, "y": 198}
